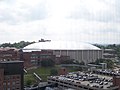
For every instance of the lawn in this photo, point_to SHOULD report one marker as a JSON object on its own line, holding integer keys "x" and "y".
{"x": 43, "y": 72}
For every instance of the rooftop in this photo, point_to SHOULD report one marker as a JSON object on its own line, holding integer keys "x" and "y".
{"x": 11, "y": 61}
{"x": 61, "y": 45}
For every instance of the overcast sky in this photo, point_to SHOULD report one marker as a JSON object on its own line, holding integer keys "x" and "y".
{"x": 92, "y": 21}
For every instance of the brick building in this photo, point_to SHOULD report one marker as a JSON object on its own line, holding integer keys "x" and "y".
{"x": 59, "y": 51}
{"x": 62, "y": 71}
{"x": 11, "y": 75}
{"x": 34, "y": 58}
{"x": 116, "y": 81}
{"x": 9, "y": 54}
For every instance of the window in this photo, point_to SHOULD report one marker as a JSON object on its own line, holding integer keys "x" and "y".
{"x": 13, "y": 77}
{"x": 18, "y": 77}
{"x": 4, "y": 83}
{"x": 17, "y": 88}
{"x": 8, "y": 88}
{"x": 13, "y": 88}
{"x": 34, "y": 62}
{"x": 8, "y": 83}
{"x": 13, "y": 83}
{"x": 7, "y": 77}
{"x": 5, "y": 88}
{"x": 17, "y": 82}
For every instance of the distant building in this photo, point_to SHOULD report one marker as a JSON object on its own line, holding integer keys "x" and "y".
{"x": 103, "y": 65}
{"x": 116, "y": 81}
{"x": 81, "y": 52}
{"x": 109, "y": 54}
{"x": 9, "y": 54}
{"x": 43, "y": 40}
{"x": 59, "y": 51}
{"x": 63, "y": 71}
{"x": 34, "y": 58}
{"x": 11, "y": 75}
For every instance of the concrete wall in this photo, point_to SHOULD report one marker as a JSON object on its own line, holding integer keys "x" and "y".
{"x": 80, "y": 55}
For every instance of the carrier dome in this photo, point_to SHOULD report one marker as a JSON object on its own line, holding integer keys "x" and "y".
{"x": 60, "y": 45}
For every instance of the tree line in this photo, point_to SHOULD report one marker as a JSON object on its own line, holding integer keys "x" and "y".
{"x": 17, "y": 45}
{"x": 116, "y": 47}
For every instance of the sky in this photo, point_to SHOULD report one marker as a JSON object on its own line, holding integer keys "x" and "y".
{"x": 91, "y": 21}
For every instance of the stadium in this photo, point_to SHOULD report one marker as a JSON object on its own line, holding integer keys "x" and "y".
{"x": 75, "y": 50}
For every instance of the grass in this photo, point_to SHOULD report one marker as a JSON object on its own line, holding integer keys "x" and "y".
{"x": 29, "y": 78}
{"x": 43, "y": 72}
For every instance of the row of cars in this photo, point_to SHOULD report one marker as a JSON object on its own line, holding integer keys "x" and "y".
{"x": 87, "y": 79}
{"x": 107, "y": 72}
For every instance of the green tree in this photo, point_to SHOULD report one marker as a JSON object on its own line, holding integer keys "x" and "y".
{"x": 70, "y": 61}
{"x": 110, "y": 63}
{"x": 82, "y": 63}
{"x": 53, "y": 72}
{"x": 47, "y": 63}
{"x": 18, "y": 45}
{"x": 98, "y": 61}
{"x": 28, "y": 82}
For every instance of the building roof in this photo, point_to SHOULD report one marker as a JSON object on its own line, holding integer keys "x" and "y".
{"x": 60, "y": 45}
{"x": 2, "y": 62}
{"x": 8, "y": 48}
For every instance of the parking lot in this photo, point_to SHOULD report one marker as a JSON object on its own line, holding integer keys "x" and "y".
{"x": 87, "y": 79}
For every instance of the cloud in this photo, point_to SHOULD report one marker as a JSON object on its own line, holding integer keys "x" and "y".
{"x": 93, "y": 21}
{"x": 20, "y": 11}
{"x": 97, "y": 10}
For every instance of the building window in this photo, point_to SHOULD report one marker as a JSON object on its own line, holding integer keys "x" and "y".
{"x": 8, "y": 83}
{"x": 17, "y": 82}
{"x": 7, "y": 77}
{"x": 34, "y": 56}
{"x": 8, "y": 88}
{"x": 5, "y": 88}
{"x": 4, "y": 83}
{"x": 13, "y": 77}
{"x": 18, "y": 77}
{"x": 17, "y": 88}
{"x": 13, "y": 83}
{"x": 34, "y": 62}
{"x": 13, "y": 88}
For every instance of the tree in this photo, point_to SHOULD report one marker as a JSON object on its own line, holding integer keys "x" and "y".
{"x": 110, "y": 63}
{"x": 82, "y": 63}
{"x": 68, "y": 61}
{"x": 53, "y": 72}
{"x": 98, "y": 61}
{"x": 18, "y": 45}
{"x": 28, "y": 82}
{"x": 47, "y": 63}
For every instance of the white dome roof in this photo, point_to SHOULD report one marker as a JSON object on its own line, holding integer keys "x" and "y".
{"x": 60, "y": 45}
